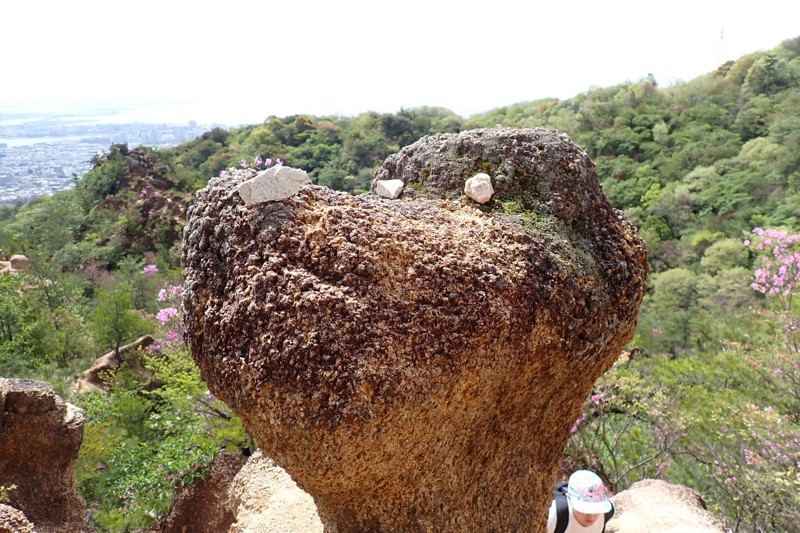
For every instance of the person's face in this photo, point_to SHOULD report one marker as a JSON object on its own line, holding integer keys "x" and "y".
{"x": 584, "y": 519}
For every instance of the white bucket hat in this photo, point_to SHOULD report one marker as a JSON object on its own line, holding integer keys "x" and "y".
{"x": 587, "y": 494}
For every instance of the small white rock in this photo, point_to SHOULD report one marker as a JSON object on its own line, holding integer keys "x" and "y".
{"x": 479, "y": 188}
{"x": 276, "y": 183}
{"x": 389, "y": 188}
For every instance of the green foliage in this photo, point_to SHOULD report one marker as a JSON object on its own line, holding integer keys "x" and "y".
{"x": 129, "y": 465}
{"x": 114, "y": 319}
{"x": 628, "y": 429}
{"x": 16, "y": 326}
{"x": 751, "y": 455}
{"x": 5, "y": 492}
{"x": 104, "y": 179}
{"x": 154, "y": 431}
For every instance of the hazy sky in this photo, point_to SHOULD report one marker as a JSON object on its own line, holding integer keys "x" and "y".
{"x": 239, "y": 61}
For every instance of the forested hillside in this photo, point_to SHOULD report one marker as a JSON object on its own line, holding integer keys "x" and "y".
{"x": 708, "y": 394}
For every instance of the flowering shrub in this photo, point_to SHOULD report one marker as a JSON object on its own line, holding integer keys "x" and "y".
{"x": 753, "y": 461}
{"x": 147, "y": 437}
{"x": 780, "y": 264}
{"x": 777, "y": 277}
{"x": 150, "y": 270}
{"x": 627, "y": 430}
{"x": 258, "y": 164}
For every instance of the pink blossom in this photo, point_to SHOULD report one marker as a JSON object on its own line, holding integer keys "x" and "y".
{"x": 150, "y": 270}
{"x": 223, "y": 174}
{"x": 166, "y": 314}
{"x": 244, "y": 163}
{"x": 268, "y": 162}
{"x": 257, "y": 161}
{"x": 279, "y": 162}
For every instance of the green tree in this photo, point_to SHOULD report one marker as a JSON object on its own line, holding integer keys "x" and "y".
{"x": 113, "y": 318}
{"x": 677, "y": 323}
{"x": 107, "y": 176}
{"x": 17, "y": 354}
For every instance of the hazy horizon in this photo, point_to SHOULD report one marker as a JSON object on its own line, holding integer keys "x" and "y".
{"x": 244, "y": 61}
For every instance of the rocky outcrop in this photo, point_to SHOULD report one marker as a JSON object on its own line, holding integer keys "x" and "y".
{"x": 202, "y": 507}
{"x": 264, "y": 498}
{"x": 96, "y": 378}
{"x": 13, "y": 521}
{"x": 416, "y": 364}
{"x": 148, "y": 197}
{"x": 40, "y": 435}
{"x": 655, "y": 506}
{"x": 18, "y": 263}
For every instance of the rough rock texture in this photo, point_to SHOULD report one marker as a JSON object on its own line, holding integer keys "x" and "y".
{"x": 416, "y": 364}
{"x": 40, "y": 435}
{"x": 264, "y": 498}
{"x": 655, "y": 506}
{"x": 276, "y": 183}
{"x": 13, "y": 521}
{"x": 15, "y": 265}
{"x": 202, "y": 507}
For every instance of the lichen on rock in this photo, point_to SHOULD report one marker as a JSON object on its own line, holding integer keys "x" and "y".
{"x": 416, "y": 365}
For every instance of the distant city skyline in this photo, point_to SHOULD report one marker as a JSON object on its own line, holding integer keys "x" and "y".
{"x": 244, "y": 60}
{"x": 44, "y": 153}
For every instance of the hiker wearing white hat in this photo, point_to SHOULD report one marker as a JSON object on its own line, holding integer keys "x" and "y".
{"x": 580, "y": 506}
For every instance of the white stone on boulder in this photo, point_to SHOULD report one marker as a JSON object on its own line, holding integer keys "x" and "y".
{"x": 274, "y": 184}
{"x": 479, "y": 188}
{"x": 389, "y": 188}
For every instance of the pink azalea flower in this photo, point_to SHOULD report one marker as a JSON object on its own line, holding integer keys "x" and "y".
{"x": 166, "y": 314}
{"x": 150, "y": 270}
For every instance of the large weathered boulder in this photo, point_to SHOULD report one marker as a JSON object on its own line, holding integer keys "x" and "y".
{"x": 40, "y": 435}
{"x": 416, "y": 364}
{"x": 264, "y": 498}
{"x": 655, "y": 506}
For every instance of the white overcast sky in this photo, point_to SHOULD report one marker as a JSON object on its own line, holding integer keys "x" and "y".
{"x": 239, "y": 61}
